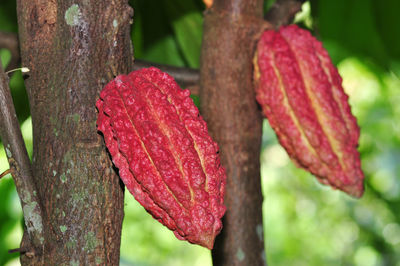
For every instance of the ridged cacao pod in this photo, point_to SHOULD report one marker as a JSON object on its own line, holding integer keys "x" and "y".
{"x": 300, "y": 92}
{"x": 164, "y": 153}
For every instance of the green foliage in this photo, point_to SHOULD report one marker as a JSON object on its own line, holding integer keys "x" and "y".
{"x": 10, "y": 219}
{"x": 186, "y": 21}
{"x": 147, "y": 242}
{"x": 305, "y": 223}
{"x": 368, "y": 29}
{"x": 5, "y": 57}
{"x": 8, "y": 16}
{"x": 152, "y": 35}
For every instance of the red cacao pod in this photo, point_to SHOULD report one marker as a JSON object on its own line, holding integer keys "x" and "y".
{"x": 164, "y": 153}
{"x": 301, "y": 94}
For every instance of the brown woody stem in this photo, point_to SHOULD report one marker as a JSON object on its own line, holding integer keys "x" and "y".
{"x": 20, "y": 166}
{"x": 282, "y": 12}
{"x": 6, "y": 172}
{"x": 20, "y": 250}
{"x": 228, "y": 105}
{"x": 73, "y": 48}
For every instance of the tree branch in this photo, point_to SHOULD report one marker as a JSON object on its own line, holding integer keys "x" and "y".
{"x": 9, "y": 41}
{"x": 5, "y": 173}
{"x": 186, "y": 77}
{"x": 20, "y": 166}
{"x": 282, "y": 12}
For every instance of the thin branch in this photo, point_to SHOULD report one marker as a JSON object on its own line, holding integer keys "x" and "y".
{"x": 20, "y": 166}
{"x": 9, "y": 41}
{"x": 282, "y": 12}
{"x": 186, "y": 77}
{"x": 6, "y": 172}
{"x": 18, "y": 250}
{"x": 27, "y": 252}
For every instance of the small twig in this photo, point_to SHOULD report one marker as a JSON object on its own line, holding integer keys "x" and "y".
{"x": 6, "y": 172}
{"x": 186, "y": 77}
{"x": 282, "y": 12}
{"x": 22, "y": 69}
{"x": 17, "y": 250}
{"x": 9, "y": 41}
{"x": 28, "y": 252}
{"x": 20, "y": 166}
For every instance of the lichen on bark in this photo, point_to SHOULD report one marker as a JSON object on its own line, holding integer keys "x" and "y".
{"x": 82, "y": 199}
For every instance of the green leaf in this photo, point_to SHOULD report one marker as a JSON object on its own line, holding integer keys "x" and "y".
{"x": 387, "y": 21}
{"x": 152, "y": 35}
{"x": 187, "y": 24}
{"x": 5, "y": 57}
{"x": 164, "y": 51}
{"x": 351, "y": 24}
{"x": 8, "y": 16}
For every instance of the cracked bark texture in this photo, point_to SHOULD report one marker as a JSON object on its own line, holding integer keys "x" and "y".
{"x": 228, "y": 104}
{"x": 73, "y": 48}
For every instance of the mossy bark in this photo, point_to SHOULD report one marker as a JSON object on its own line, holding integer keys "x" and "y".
{"x": 73, "y": 48}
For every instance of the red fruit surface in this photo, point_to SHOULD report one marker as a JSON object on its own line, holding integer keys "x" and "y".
{"x": 165, "y": 156}
{"x": 300, "y": 92}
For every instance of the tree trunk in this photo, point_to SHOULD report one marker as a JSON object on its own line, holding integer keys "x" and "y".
{"x": 73, "y": 48}
{"x": 228, "y": 105}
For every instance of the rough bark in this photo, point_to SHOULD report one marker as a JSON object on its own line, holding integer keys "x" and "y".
{"x": 73, "y": 48}
{"x": 228, "y": 104}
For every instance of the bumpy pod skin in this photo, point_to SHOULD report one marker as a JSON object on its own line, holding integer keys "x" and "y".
{"x": 164, "y": 153}
{"x": 301, "y": 94}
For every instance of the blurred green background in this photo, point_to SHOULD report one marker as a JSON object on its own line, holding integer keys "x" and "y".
{"x": 305, "y": 223}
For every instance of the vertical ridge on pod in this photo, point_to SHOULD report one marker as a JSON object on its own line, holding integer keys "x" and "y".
{"x": 301, "y": 94}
